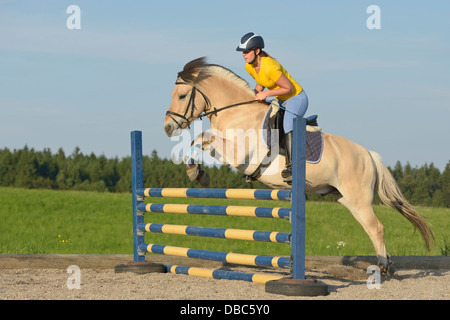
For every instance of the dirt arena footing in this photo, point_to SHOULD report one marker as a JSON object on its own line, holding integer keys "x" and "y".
{"x": 93, "y": 277}
{"x": 104, "y": 261}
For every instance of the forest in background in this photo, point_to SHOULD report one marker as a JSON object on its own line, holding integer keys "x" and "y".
{"x": 31, "y": 169}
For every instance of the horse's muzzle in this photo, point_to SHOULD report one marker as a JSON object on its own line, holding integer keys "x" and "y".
{"x": 173, "y": 128}
{"x": 169, "y": 128}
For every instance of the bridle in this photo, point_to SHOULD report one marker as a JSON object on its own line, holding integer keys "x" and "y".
{"x": 191, "y": 107}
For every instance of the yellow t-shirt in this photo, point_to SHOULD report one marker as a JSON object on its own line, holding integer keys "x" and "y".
{"x": 269, "y": 73}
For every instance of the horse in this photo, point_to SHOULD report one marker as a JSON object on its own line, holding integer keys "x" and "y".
{"x": 346, "y": 170}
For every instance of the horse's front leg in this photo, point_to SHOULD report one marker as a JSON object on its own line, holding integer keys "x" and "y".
{"x": 194, "y": 169}
{"x": 203, "y": 142}
{"x": 195, "y": 172}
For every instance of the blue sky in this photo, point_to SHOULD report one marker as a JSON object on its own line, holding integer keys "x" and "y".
{"x": 387, "y": 89}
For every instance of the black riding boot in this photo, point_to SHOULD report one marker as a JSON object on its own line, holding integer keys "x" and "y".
{"x": 287, "y": 172}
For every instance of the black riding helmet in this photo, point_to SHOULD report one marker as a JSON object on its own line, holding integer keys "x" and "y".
{"x": 250, "y": 41}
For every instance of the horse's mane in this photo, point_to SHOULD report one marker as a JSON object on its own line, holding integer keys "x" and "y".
{"x": 198, "y": 70}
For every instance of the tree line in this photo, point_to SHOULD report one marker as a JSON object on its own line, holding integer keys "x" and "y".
{"x": 28, "y": 168}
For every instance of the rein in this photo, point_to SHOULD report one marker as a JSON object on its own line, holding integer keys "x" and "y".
{"x": 191, "y": 106}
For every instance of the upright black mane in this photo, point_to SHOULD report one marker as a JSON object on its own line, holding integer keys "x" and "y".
{"x": 198, "y": 70}
{"x": 192, "y": 70}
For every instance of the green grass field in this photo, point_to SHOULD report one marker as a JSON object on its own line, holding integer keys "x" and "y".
{"x": 45, "y": 221}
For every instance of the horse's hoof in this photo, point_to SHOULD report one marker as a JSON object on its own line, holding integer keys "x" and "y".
{"x": 391, "y": 269}
{"x": 388, "y": 270}
{"x": 286, "y": 174}
{"x": 203, "y": 178}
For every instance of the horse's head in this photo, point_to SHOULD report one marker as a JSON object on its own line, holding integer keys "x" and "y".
{"x": 188, "y": 101}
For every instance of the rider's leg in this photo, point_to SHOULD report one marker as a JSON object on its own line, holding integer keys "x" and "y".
{"x": 295, "y": 106}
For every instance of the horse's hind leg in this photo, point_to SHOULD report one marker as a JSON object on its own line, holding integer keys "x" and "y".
{"x": 363, "y": 212}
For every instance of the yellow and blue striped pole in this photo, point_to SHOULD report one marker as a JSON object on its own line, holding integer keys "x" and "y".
{"x": 241, "y": 211}
{"x": 224, "y": 233}
{"x": 222, "y": 274}
{"x": 235, "y": 258}
{"x": 250, "y": 194}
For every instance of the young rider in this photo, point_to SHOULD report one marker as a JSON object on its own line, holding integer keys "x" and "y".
{"x": 269, "y": 73}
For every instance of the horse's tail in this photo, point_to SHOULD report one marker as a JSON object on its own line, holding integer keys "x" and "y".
{"x": 390, "y": 194}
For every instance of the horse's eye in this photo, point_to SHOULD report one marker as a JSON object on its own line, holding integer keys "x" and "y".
{"x": 182, "y": 96}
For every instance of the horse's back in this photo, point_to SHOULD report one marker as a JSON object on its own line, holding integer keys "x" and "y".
{"x": 342, "y": 161}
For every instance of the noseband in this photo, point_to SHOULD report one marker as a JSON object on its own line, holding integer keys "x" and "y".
{"x": 191, "y": 107}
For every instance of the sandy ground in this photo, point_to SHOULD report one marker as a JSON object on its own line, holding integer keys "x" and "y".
{"x": 344, "y": 283}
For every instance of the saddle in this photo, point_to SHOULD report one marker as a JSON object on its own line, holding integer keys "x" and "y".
{"x": 274, "y": 121}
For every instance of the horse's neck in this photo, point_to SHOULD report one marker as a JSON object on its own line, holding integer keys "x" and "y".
{"x": 239, "y": 127}
{"x": 222, "y": 93}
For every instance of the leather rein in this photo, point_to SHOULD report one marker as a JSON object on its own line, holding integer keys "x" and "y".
{"x": 192, "y": 108}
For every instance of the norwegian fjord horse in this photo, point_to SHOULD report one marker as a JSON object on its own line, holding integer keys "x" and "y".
{"x": 347, "y": 170}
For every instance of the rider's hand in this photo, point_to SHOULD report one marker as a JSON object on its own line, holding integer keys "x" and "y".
{"x": 261, "y": 96}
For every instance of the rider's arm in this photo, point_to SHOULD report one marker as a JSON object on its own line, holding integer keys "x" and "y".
{"x": 285, "y": 87}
